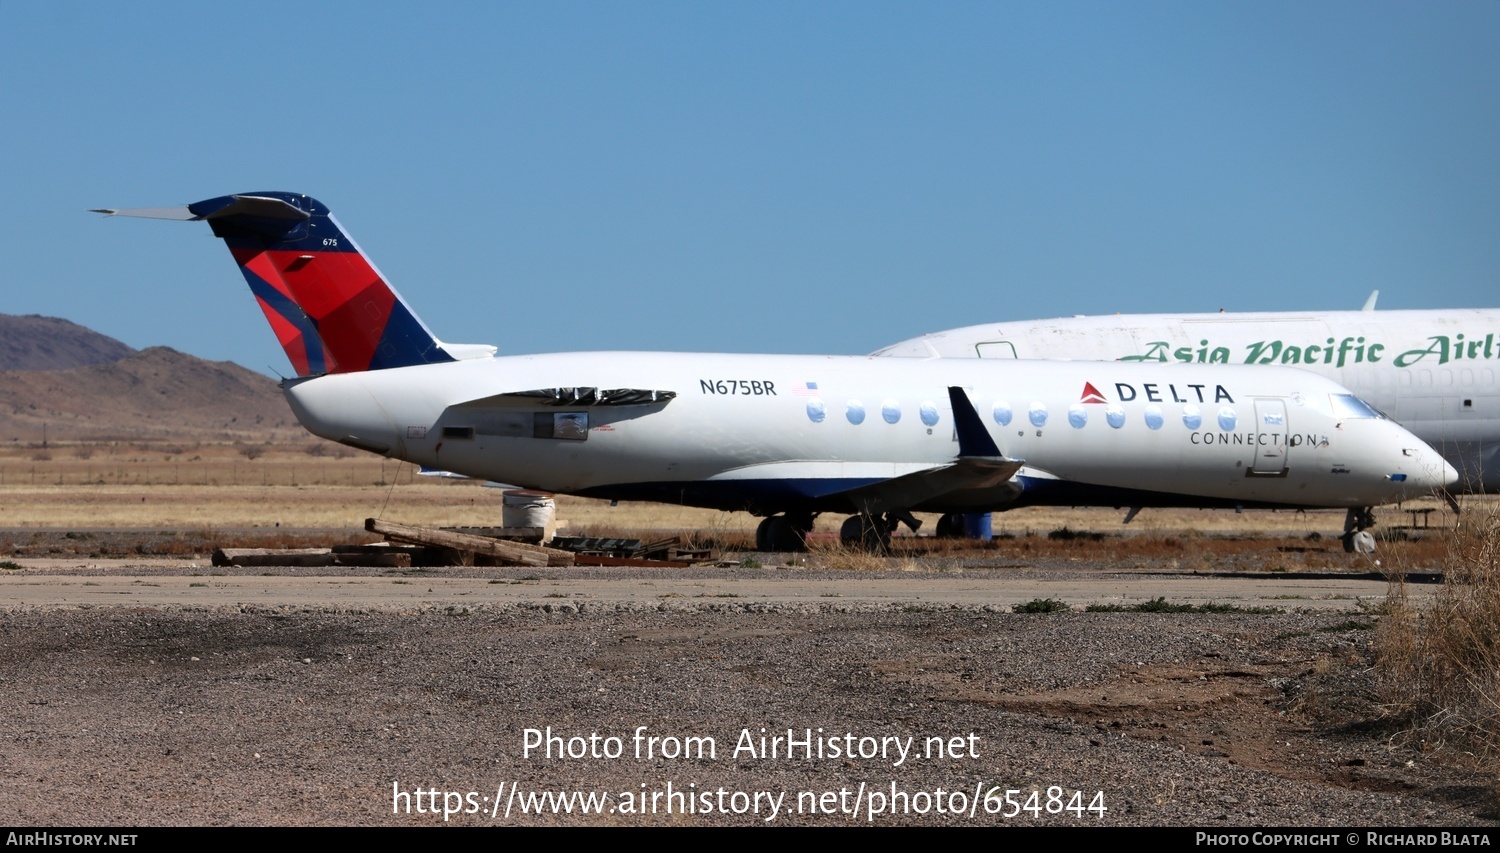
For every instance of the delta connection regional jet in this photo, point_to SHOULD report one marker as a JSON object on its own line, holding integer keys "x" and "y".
{"x": 1434, "y": 371}
{"x": 789, "y": 437}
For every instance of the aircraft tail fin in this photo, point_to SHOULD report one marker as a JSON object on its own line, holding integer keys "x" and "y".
{"x": 331, "y": 309}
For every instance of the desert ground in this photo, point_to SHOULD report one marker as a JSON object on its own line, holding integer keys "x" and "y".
{"x": 146, "y": 687}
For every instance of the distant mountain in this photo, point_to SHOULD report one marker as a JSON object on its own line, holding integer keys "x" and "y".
{"x": 34, "y": 342}
{"x": 156, "y": 393}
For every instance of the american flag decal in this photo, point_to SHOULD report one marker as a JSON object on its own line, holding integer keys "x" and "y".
{"x": 805, "y": 389}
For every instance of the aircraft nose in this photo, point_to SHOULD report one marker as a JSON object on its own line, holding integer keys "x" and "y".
{"x": 1422, "y": 469}
{"x": 1450, "y": 476}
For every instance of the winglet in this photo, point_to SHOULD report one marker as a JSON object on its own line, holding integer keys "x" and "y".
{"x": 973, "y": 438}
{"x": 1370, "y": 303}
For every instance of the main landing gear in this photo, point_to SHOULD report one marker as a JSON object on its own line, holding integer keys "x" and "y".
{"x": 866, "y": 531}
{"x": 1357, "y": 538}
{"x": 784, "y": 532}
{"x": 872, "y": 531}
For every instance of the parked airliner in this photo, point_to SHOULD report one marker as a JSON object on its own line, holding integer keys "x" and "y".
{"x": 1435, "y": 371}
{"x": 787, "y": 436}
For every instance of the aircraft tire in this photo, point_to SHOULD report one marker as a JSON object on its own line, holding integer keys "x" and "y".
{"x": 763, "y": 535}
{"x": 1359, "y": 542}
{"x": 782, "y": 535}
{"x": 865, "y": 533}
{"x": 950, "y": 526}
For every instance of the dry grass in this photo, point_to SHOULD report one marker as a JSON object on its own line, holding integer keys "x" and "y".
{"x": 1439, "y": 664}
{"x": 166, "y": 543}
{"x": 825, "y": 553}
{"x": 196, "y": 486}
{"x": 144, "y": 463}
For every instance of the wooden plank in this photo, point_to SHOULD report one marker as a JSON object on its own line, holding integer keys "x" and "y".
{"x": 243, "y": 557}
{"x": 516, "y": 552}
{"x": 660, "y": 546}
{"x": 391, "y": 559}
{"x": 376, "y": 548}
{"x": 519, "y": 534}
{"x": 630, "y": 561}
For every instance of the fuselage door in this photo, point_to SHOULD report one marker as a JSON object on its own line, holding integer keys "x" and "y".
{"x": 1270, "y": 441}
{"x": 995, "y": 349}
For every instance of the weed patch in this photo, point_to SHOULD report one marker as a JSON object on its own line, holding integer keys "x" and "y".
{"x": 840, "y": 557}
{"x": 1439, "y": 663}
{"x": 1067, "y": 534}
{"x": 1042, "y": 605}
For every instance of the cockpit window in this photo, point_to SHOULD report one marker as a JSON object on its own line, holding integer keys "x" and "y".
{"x": 1347, "y": 406}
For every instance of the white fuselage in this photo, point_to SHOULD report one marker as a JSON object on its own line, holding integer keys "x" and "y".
{"x": 772, "y": 433}
{"x": 1434, "y": 371}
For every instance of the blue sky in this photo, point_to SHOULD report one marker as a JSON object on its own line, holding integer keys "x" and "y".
{"x": 756, "y": 177}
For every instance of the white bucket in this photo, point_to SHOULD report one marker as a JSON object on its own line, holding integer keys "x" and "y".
{"x": 524, "y": 508}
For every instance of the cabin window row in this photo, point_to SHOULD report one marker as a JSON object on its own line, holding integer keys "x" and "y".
{"x": 890, "y": 411}
{"x": 1114, "y": 414}
{"x": 1037, "y": 414}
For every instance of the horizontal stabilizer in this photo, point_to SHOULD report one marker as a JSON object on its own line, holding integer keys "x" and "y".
{"x": 253, "y": 214}
{"x": 464, "y": 352}
{"x": 263, "y": 207}
{"x": 578, "y": 396}
{"x": 179, "y": 214}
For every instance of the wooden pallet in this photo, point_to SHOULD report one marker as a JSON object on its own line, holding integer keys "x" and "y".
{"x": 511, "y": 553}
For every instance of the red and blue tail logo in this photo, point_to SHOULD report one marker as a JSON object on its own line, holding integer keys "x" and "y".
{"x": 331, "y": 309}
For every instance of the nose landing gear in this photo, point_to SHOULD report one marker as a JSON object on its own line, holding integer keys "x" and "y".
{"x": 1356, "y": 537}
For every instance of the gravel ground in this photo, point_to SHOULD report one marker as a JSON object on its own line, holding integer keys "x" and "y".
{"x": 315, "y": 715}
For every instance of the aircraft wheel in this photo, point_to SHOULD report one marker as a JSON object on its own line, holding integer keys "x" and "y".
{"x": 866, "y": 533}
{"x": 1356, "y": 524}
{"x": 762, "y": 534}
{"x": 782, "y": 534}
{"x": 799, "y": 525}
{"x": 950, "y": 526}
{"x": 1359, "y": 542}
